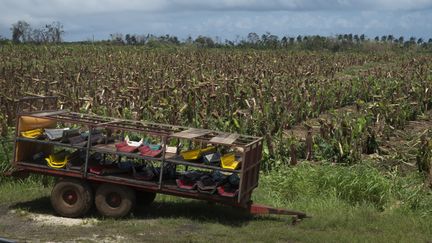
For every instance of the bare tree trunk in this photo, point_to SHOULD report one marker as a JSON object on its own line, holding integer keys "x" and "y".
{"x": 270, "y": 145}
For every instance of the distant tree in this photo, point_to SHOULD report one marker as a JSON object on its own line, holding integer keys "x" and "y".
{"x": 229, "y": 42}
{"x": 204, "y": 41}
{"x": 420, "y": 41}
{"x": 356, "y": 38}
{"x": 362, "y": 37}
{"x": 128, "y": 39}
{"x": 142, "y": 39}
{"x": 291, "y": 40}
{"x": 253, "y": 38}
{"x": 272, "y": 40}
{"x": 54, "y": 32}
{"x": 384, "y": 38}
{"x": 20, "y": 31}
{"x": 390, "y": 38}
{"x": 401, "y": 39}
{"x": 299, "y": 38}
{"x": 170, "y": 39}
{"x": 189, "y": 40}
{"x": 264, "y": 38}
{"x": 430, "y": 41}
{"x": 377, "y": 38}
{"x": 117, "y": 38}
{"x": 133, "y": 40}
{"x": 39, "y": 35}
{"x": 284, "y": 41}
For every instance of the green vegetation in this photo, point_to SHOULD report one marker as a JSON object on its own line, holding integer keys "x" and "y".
{"x": 360, "y": 118}
{"x": 342, "y": 210}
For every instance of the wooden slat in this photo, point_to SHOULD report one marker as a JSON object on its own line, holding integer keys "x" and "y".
{"x": 225, "y": 138}
{"x": 191, "y": 133}
{"x": 49, "y": 113}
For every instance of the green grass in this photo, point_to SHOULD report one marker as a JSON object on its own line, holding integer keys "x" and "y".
{"x": 341, "y": 211}
{"x": 6, "y": 153}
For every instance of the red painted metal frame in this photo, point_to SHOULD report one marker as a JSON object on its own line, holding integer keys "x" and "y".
{"x": 142, "y": 185}
{"x": 259, "y": 209}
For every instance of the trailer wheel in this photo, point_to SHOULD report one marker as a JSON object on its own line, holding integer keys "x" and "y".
{"x": 71, "y": 197}
{"x": 114, "y": 200}
{"x": 145, "y": 198}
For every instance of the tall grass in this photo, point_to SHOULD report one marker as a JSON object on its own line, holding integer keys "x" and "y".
{"x": 5, "y": 154}
{"x": 355, "y": 185}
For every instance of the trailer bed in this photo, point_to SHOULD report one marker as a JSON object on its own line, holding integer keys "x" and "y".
{"x": 250, "y": 148}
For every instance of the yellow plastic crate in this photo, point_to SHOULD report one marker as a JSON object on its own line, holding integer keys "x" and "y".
{"x": 228, "y": 161}
{"x": 55, "y": 162}
{"x": 32, "y": 133}
{"x": 196, "y": 153}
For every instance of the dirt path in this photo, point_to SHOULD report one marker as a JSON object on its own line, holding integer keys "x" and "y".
{"x": 21, "y": 224}
{"x": 179, "y": 220}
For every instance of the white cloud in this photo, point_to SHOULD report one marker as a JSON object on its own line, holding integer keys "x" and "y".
{"x": 225, "y": 18}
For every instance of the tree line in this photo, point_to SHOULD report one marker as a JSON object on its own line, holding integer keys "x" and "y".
{"x": 268, "y": 40}
{"x": 22, "y": 32}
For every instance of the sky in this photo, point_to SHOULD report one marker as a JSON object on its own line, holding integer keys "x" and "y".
{"x": 226, "y": 19}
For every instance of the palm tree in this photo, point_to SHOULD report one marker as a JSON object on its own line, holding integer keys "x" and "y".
{"x": 356, "y": 38}
{"x": 299, "y": 38}
{"x": 390, "y": 38}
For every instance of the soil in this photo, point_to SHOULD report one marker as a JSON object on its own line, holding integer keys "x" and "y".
{"x": 35, "y": 219}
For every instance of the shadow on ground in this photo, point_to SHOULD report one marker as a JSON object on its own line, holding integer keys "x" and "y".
{"x": 200, "y": 211}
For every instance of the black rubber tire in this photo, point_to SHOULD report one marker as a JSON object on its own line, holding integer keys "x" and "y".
{"x": 71, "y": 197}
{"x": 124, "y": 200}
{"x": 144, "y": 198}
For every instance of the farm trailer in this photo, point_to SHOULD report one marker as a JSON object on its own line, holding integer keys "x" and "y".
{"x": 114, "y": 195}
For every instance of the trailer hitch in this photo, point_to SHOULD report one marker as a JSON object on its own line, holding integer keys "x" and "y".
{"x": 259, "y": 209}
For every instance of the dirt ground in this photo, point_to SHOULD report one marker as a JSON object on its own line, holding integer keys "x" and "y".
{"x": 35, "y": 220}
{"x": 38, "y": 223}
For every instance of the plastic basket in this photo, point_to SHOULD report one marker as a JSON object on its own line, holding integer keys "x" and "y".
{"x": 35, "y": 133}
{"x": 228, "y": 161}
{"x": 196, "y": 153}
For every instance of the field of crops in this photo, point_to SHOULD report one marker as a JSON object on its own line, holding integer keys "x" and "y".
{"x": 333, "y": 109}
{"x": 255, "y": 92}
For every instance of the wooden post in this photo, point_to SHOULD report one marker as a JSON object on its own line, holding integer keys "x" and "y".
{"x": 293, "y": 154}
{"x": 309, "y": 144}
